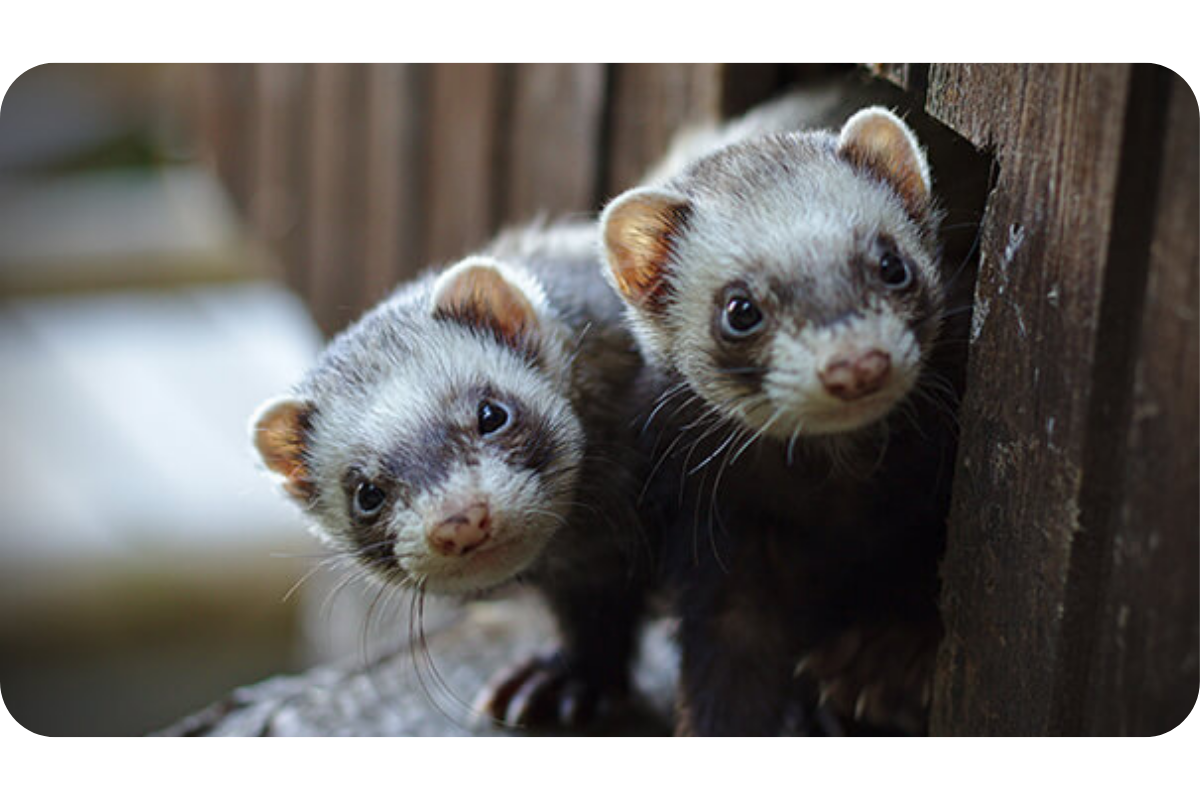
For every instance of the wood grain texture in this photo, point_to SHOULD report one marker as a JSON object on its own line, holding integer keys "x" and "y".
{"x": 1015, "y": 513}
{"x": 1145, "y": 666}
{"x": 649, "y": 103}
{"x": 1064, "y": 264}
{"x": 463, "y": 142}
{"x": 395, "y": 693}
{"x": 553, "y": 146}
{"x": 394, "y": 181}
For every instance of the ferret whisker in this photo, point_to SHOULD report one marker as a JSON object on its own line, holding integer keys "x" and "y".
{"x": 955, "y": 311}
{"x": 658, "y": 439}
{"x": 942, "y": 404}
{"x": 671, "y": 390}
{"x": 323, "y": 554}
{"x": 365, "y": 656}
{"x": 700, "y": 494}
{"x": 716, "y": 452}
{"x": 661, "y": 401}
{"x": 971, "y": 254}
{"x": 569, "y": 366}
{"x": 747, "y": 370}
{"x": 436, "y": 674}
{"x": 327, "y": 603}
{"x": 559, "y": 518}
{"x": 705, "y": 418}
{"x": 737, "y": 409}
{"x": 717, "y": 426}
{"x": 792, "y": 441}
{"x": 667, "y": 452}
{"x": 418, "y": 648}
{"x": 413, "y": 646}
{"x": 939, "y": 392}
{"x": 907, "y": 407}
{"x": 773, "y": 419}
{"x": 692, "y": 399}
{"x": 300, "y": 581}
{"x": 941, "y": 395}
{"x": 713, "y": 512}
{"x": 729, "y": 415}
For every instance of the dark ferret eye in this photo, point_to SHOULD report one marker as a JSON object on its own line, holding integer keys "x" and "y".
{"x": 741, "y": 317}
{"x": 368, "y": 499}
{"x": 492, "y": 417}
{"x": 894, "y": 271}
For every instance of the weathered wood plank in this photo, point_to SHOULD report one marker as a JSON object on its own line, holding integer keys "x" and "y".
{"x": 1015, "y": 512}
{"x": 465, "y": 103}
{"x": 394, "y": 182}
{"x": 1046, "y": 369}
{"x": 275, "y": 135}
{"x": 337, "y": 168}
{"x": 649, "y": 103}
{"x": 553, "y": 144}
{"x": 1145, "y": 669}
{"x": 223, "y": 109}
{"x": 400, "y": 692}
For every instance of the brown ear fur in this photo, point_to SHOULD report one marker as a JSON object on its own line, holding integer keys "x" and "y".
{"x": 640, "y": 229}
{"x": 877, "y": 140}
{"x": 280, "y": 432}
{"x": 478, "y": 294}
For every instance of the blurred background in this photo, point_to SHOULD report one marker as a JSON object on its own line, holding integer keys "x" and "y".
{"x": 175, "y": 244}
{"x": 142, "y": 558}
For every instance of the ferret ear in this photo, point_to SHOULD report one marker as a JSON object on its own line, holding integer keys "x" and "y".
{"x": 279, "y": 430}
{"x": 640, "y": 229}
{"x": 877, "y": 140}
{"x": 484, "y": 295}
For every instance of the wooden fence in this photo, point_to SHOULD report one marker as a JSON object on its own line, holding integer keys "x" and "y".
{"x": 359, "y": 175}
{"x": 1070, "y": 594}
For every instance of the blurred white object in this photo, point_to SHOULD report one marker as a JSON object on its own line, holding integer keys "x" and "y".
{"x": 144, "y": 557}
{"x": 124, "y": 419}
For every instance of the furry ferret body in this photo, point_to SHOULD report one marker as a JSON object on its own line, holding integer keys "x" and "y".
{"x": 789, "y": 291}
{"x": 474, "y": 429}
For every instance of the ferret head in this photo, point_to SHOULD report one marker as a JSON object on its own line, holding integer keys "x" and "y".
{"x": 433, "y": 440}
{"x": 790, "y": 280}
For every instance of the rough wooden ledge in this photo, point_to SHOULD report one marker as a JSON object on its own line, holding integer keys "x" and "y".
{"x": 385, "y": 697}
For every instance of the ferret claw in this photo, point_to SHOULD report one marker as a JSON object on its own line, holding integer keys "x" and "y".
{"x": 538, "y": 693}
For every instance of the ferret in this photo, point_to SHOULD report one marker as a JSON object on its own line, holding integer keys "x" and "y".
{"x": 788, "y": 292}
{"x": 471, "y": 430}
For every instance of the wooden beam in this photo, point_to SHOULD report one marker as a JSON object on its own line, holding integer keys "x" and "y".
{"x": 553, "y": 142}
{"x": 1064, "y": 263}
{"x": 1142, "y": 674}
{"x": 465, "y": 104}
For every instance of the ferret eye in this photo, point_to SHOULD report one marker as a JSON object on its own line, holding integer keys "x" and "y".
{"x": 368, "y": 499}
{"x": 894, "y": 271}
{"x": 492, "y": 417}
{"x": 741, "y": 317}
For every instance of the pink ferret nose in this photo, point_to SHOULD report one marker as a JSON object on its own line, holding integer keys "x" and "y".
{"x": 462, "y": 531}
{"x": 857, "y": 375}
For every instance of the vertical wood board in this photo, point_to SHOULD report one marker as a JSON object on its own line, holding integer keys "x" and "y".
{"x": 554, "y": 140}
{"x": 1056, "y": 300}
{"x": 464, "y": 107}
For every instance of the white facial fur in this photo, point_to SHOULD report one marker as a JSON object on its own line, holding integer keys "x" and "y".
{"x": 788, "y": 212}
{"x": 396, "y": 403}
{"x": 524, "y": 517}
{"x": 800, "y": 403}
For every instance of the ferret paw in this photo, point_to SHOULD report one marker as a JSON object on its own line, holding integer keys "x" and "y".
{"x": 544, "y": 692}
{"x": 876, "y": 676}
